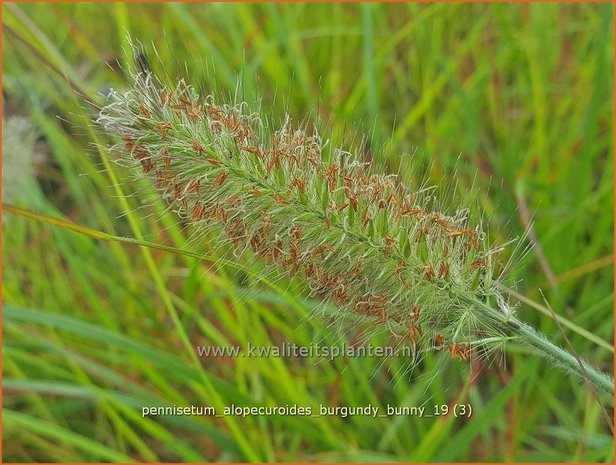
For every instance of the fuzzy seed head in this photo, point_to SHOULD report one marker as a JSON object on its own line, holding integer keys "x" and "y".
{"x": 381, "y": 252}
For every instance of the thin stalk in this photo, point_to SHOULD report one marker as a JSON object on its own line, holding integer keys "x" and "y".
{"x": 544, "y": 347}
{"x": 570, "y": 363}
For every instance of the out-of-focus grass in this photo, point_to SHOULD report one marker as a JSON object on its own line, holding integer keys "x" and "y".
{"x": 519, "y": 95}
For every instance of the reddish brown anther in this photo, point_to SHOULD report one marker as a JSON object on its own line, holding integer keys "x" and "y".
{"x": 461, "y": 351}
{"x": 280, "y": 200}
{"x": 220, "y": 179}
{"x": 389, "y": 241}
{"x": 193, "y": 186}
{"x": 339, "y": 208}
{"x": 164, "y": 130}
{"x": 331, "y": 176}
{"x": 300, "y": 184}
{"x": 254, "y": 151}
{"x": 443, "y": 271}
{"x": 354, "y": 203}
{"x": 144, "y": 110}
{"x": 429, "y": 272}
{"x": 167, "y": 159}
{"x": 198, "y": 212}
{"x": 233, "y": 199}
{"x": 366, "y": 219}
{"x": 197, "y": 147}
{"x": 297, "y": 233}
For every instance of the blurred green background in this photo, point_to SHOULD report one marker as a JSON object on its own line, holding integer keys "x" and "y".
{"x": 519, "y": 96}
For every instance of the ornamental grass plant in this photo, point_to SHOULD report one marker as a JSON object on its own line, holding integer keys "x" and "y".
{"x": 381, "y": 252}
{"x": 476, "y": 215}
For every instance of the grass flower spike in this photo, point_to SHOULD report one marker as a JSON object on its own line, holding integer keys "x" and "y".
{"x": 383, "y": 254}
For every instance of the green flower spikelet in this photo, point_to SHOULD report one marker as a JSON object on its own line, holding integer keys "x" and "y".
{"x": 382, "y": 253}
